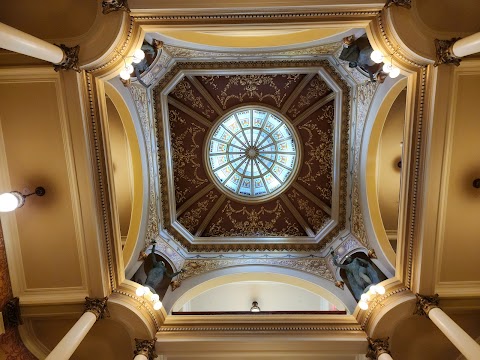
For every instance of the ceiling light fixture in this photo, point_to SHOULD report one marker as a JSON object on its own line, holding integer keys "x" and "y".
{"x": 255, "y": 308}
{"x": 366, "y": 297}
{"x": 14, "y": 199}
{"x": 136, "y": 58}
{"x": 388, "y": 66}
{"x": 146, "y": 293}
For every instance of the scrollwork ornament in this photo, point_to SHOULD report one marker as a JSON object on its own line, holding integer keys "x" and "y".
{"x": 444, "y": 52}
{"x": 145, "y": 348}
{"x": 402, "y": 3}
{"x": 426, "y": 303}
{"x": 109, "y": 6}
{"x": 377, "y": 347}
{"x": 96, "y": 306}
{"x": 70, "y": 58}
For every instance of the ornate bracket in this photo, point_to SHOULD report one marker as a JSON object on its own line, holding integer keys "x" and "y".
{"x": 425, "y": 304}
{"x": 70, "y": 58}
{"x": 97, "y": 307}
{"x": 377, "y": 347}
{"x": 109, "y": 6}
{"x": 443, "y": 49}
{"x": 145, "y": 348}
{"x": 402, "y": 3}
{"x": 11, "y": 313}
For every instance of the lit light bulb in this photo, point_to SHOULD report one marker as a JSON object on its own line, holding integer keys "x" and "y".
{"x": 365, "y": 297}
{"x": 157, "y": 305}
{"x": 140, "y": 291}
{"x": 387, "y": 67}
{"x": 124, "y": 74}
{"x": 373, "y": 289}
{"x": 394, "y": 72}
{"x": 376, "y": 56}
{"x": 129, "y": 68}
{"x": 10, "y": 201}
{"x": 155, "y": 298}
{"x": 380, "y": 289}
{"x": 138, "y": 55}
{"x": 146, "y": 290}
{"x": 363, "y": 305}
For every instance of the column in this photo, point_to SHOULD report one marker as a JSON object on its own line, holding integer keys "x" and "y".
{"x": 63, "y": 57}
{"x": 378, "y": 349}
{"x": 145, "y": 349}
{"x": 94, "y": 310}
{"x": 428, "y": 306}
{"x": 451, "y": 51}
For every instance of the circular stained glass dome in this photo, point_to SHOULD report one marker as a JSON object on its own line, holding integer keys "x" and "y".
{"x": 252, "y": 153}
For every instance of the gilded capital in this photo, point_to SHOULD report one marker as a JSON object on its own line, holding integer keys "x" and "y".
{"x": 425, "y": 304}
{"x": 96, "y": 306}
{"x": 70, "y": 58}
{"x": 377, "y": 347}
{"x": 403, "y": 3}
{"x": 109, "y": 6}
{"x": 145, "y": 348}
{"x": 444, "y": 52}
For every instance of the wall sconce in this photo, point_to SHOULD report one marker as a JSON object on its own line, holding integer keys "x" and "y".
{"x": 369, "y": 295}
{"x": 255, "y": 308}
{"x": 14, "y": 199}
{"x": 146, "y": 293}
{"x": 388, "y": 66}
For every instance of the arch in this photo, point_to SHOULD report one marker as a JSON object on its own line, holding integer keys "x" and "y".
{"x": 193, "y": 286}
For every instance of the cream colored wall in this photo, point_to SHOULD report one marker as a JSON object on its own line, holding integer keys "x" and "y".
{"x": 389, "y": 154}
{"x": 122, "y": 167}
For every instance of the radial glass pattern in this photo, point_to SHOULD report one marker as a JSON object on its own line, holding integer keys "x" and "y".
{"x": 252, "y": 153}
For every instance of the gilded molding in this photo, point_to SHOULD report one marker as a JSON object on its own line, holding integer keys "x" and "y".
{"x": 145, "y": 348}
{"x": 109, "y": 6}
{"x": 444, "y": 52}
{"x": 141, "y": 302}
{"x": 70, "y": 58}
{"x": 379, "y": 301}
{"x": 401, "y": 3}
{"x": 426, "y": 303}
{"x": 377, "y": 347}
{"x": 96, "y": 306}
{"x": 262, "y": 328}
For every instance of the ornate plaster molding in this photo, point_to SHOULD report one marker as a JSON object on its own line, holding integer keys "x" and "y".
{"x": 261, "y": 328}
{"x": 377, "y": 347}
{"x": 109, "y": 6}
{"x": 96, "y": 306}
{"x": 426, "y": 303}
{"x": 444, "y": 52}
{"x": 145, "y": 348}
{"x": 401, "y": 3}
{"x": 70, "y": 58}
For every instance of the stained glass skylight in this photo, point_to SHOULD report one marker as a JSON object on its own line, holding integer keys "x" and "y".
{"x": 253, "y": 153}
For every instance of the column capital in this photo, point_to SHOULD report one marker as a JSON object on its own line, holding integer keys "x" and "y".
{"x": 425, "y": 304}
{"x": 402, "y": 3}
{"x": 377, "y": 347}
{"x": 145, "y": 348}
{"x": 109, "y": 6}
{"x": 444, "y": 52}
{"x": 70, "y": 58}
{"x": 96, "y": 306}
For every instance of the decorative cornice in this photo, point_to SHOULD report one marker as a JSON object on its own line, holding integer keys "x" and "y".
{"x": 377, "y": 347}
{"x": 426, "y": 303}
{"x": 70, "y": 58}
{"x": 145, "y": 348}
{"x": 402, "y": 3}
{"x": 444, "y": 52}
{"x": 263, "y": 329}
{"x": 109, "y": 6}
{"x": 96, "y": 306}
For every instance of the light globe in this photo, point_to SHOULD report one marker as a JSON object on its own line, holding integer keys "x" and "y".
{"x": 11, "y": 201}
{"x": 157, "y": 305}
{"x": 376, "y": 56}
{"x": 363, "y": 305}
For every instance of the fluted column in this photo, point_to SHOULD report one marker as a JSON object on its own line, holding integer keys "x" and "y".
{"x": 378, "y": 349}
{"x": 63, "y": 57}
{"x": 428, "y": 306}
{"x": 452, "y": 51}
{"x": 94, "y": 310}
{"x": 145, "y": 349}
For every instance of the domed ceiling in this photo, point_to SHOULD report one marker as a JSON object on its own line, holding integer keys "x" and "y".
{"x": 258, "y": 154}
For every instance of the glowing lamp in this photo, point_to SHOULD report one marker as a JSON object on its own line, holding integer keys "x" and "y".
{"x": 363, "y": 305}
{"x": 14, "y": 199}
{"x": 157, "y": 305}
{"x": 376, "y": 56}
